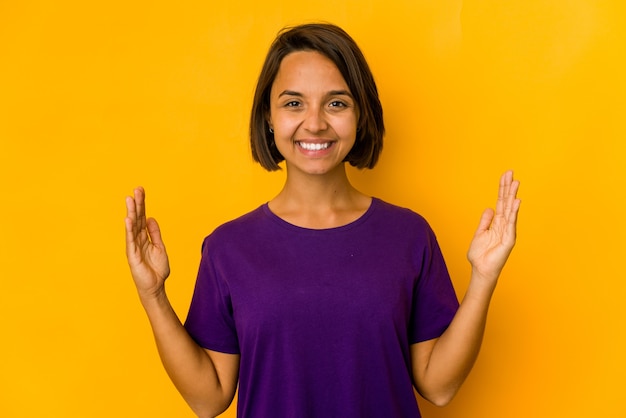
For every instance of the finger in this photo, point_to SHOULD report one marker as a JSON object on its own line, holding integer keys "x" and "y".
{"x": 512, "y": 218}
{"x": 509, "y": 188}
{"x": 130, "y": 224}
{"x": 130, "y": 207}
{"x": 131, "y": 215}
{"x": 511, "y": 198}
{"x": 133, "y": 231}
{"x": 155, "y": 233}
{"x": 140, "y": 203}
{"x": 512, "y": 195}
{"x": 130, "y": 237}
{"x": 485, "y": 221}
{"x": 502, "y": 192}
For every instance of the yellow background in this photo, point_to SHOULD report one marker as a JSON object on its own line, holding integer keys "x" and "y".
{"x": 98, "y": 97}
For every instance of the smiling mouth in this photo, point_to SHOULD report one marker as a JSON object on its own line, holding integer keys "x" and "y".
{"x": 314, "y": 146}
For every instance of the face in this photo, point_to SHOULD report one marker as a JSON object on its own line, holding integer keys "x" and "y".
{"x": 312, "y": 113}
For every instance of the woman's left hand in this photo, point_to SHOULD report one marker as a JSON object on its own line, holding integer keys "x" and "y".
{"x": 495, "y": 237}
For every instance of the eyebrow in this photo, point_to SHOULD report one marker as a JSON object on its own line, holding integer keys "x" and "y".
{"x": 330, "y": 93}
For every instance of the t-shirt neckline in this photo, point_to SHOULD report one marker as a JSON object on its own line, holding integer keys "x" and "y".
{"x": 285, "y": 224}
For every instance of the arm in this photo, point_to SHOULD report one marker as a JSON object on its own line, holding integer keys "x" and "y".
{"x": 441, "y": 365}
{"x": 206, "y": 379}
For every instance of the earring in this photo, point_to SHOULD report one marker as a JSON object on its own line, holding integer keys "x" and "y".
{"x": 271, "y": 130}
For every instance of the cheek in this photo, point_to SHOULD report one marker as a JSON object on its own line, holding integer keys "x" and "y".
{"x": 283, "y": 122}
{"x": 348, "y": 127}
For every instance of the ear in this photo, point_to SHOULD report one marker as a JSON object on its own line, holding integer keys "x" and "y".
{"x": 268, "y": 118}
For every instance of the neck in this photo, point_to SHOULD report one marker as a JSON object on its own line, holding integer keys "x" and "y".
{"x": 319, "y": 201}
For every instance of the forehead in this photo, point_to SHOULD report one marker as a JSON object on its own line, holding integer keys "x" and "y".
{"x": 308, "y": 67}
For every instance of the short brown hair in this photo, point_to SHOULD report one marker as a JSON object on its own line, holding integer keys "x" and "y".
{"x": 335, "y": 44}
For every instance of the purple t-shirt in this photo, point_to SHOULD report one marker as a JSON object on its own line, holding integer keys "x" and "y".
{"x": 322, "y": 319}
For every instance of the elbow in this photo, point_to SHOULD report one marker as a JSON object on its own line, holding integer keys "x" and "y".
{"x": 203, "y": 413}
{"x": 440, "y": 398}
{"x": 205, "y": 409}
{"x": 207, "y": 413}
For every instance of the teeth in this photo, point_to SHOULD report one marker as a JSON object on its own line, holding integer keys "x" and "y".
{"x": 314, "y": 147}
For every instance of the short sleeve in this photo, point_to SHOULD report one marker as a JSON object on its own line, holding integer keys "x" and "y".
{"x": 434, "y": 300}
{"x": 210, "y": 319}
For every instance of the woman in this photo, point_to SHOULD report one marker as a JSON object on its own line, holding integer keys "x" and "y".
{"x": 324, "y": 302}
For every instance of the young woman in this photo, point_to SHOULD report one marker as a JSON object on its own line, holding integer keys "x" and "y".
{"x": 323, "y": 302}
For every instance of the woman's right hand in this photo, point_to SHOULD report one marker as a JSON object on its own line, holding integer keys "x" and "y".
{"x": 145, "y": 250}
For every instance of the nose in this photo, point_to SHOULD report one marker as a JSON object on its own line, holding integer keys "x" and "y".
{"x": 315, "y": 120}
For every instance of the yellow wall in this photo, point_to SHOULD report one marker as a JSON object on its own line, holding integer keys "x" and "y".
{"x": 97, "y": 97}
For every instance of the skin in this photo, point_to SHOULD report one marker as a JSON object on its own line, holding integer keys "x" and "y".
{"x": 310, "y": 103}
{"x": 441, "y": 365}
{"x": 206, "y": 379}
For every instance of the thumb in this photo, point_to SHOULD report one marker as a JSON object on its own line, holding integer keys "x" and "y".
{"x": 485, "y": 220}
{"x": 154, "y": 232}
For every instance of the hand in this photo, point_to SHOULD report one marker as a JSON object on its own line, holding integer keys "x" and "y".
{"x": 145, "y": 250}
{"x": 495, "y": 237}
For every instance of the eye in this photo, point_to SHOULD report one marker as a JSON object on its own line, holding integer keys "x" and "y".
{"x": 293, "y": 103}
{"x": 337, "y": 103}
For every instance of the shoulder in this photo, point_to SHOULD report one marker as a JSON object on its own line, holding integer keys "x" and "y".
{"x": 397, "y": 215}
{"x": 401, "y": 224}
{"x": 247, "y": 220}
{"x": 238, "y": 229}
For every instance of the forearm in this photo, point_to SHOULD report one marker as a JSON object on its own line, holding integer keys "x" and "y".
{"x": 188, "y": 365}
{"x": 454, "y": 353}
{"x": 441, "y": 365}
